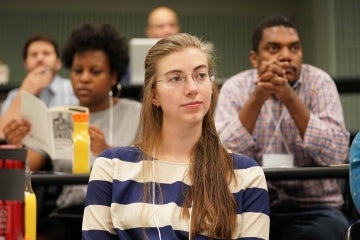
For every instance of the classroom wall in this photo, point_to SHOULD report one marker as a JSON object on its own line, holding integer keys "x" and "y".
{"x": 228, "y": 27}
{"x": 329, "y": 28}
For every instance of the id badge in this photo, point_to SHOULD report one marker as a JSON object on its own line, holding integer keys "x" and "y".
{"x": 274, "y": 160}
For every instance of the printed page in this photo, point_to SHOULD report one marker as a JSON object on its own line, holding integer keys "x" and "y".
{"x": 60, "y": 118}
{"x": 61, "y": 122}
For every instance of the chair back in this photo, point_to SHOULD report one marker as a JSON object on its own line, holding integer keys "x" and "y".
{"x": 353, "y": 231}
{"x": 354, "y": 176}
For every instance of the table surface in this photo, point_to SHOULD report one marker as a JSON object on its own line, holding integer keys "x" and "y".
{"x": 338, "y": 171}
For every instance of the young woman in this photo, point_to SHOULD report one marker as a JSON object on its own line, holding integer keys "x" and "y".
{"x": 178, "y": 181}
{"x": 97, "y": 56}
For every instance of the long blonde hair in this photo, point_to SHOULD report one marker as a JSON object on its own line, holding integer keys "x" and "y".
{"x": 211, "y": 166}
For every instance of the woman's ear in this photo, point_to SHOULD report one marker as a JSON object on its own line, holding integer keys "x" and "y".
{"x": 155, "y": 98}
{"x": 114, "y": 77}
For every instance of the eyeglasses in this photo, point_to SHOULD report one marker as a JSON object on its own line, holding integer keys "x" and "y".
{"x": 177, "y": 79}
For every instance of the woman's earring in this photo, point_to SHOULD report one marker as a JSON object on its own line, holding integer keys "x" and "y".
{"x": 110, "y": 93}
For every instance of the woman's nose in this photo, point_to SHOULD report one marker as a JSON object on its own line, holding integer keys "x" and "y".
{"x": 190, "y": 84}
{"x": 85, "y": 76}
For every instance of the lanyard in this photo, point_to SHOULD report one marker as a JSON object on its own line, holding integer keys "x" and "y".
{"x": 277, "y": 131}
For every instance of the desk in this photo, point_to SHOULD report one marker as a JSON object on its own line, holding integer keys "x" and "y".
{"x": 341, "y": 171}
{"x": 58, "y": 178}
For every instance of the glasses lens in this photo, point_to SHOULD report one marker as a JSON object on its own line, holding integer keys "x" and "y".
{"x": 177, "y": 79}
{"x": 211, "y": 76}
{"x": 173, "y": 80}
{"x": 201, "y": 77}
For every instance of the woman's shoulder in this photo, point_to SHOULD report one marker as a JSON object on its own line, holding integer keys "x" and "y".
{"x": 126, "y": 153}
{"x": 242, "y": 161}
{"x": 249, "y": 175}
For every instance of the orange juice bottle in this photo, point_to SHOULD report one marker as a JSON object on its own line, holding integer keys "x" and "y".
{"x": 30, "y": 209}
{"x": 81, "y": 143}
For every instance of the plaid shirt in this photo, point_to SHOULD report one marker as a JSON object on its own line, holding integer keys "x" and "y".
{"x": 326, "y": 140}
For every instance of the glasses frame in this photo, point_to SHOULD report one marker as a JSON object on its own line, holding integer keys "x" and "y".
{"x": 211, "y": 76}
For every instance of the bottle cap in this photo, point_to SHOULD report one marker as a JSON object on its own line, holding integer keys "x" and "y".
{"x": 80, "y": 117}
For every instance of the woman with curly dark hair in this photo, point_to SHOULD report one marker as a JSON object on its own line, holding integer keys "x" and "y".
{"x": 97, "y": 57}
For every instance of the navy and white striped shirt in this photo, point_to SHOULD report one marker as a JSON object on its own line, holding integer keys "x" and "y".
{"x": 115, "y": 208}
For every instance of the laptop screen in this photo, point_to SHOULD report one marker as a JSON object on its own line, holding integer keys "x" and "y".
{"x": 139, "y": 47}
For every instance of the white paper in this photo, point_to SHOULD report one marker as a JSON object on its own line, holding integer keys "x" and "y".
{"x": 50, "y": 128}
{"x": 274, "y": 160}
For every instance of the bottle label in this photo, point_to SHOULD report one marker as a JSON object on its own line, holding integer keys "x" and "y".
{"x": 4, "y": 218}
{"x": 11, "y": 220}
{"x": 12, "y": 177}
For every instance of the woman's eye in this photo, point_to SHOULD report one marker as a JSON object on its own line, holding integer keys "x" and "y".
{"x": 174, "y": 78}
{"x": 202, "y": 75}
{"x": 96, "y": 72}
{"x": 77, "y": 71}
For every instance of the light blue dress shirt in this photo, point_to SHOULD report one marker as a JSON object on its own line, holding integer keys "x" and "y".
{"x": 58, "y": 93}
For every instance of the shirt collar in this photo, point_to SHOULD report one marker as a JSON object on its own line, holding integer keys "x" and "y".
{"x": 296, "y": 84}
{"x": 54, "y": 85}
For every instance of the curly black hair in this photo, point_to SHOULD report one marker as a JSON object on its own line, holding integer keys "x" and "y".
{"x": 104, "y": 37}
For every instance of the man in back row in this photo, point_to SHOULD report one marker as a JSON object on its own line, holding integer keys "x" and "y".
{"x": 42, "y": 64}
{"x": 285, "y": 107}
{"x": 162, "y": 22}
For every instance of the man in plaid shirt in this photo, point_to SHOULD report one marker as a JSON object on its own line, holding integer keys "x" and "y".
{"x": 283, "y": 106}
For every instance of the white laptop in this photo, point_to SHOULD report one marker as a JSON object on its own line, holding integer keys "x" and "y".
{"x": 139, "y": 47}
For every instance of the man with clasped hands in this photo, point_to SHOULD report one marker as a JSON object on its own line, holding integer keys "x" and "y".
{"x": 287, "y": 111}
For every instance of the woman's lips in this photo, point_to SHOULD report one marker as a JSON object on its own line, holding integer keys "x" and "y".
{"x": 83, "y": 91}
{"x": 192, "y": 104}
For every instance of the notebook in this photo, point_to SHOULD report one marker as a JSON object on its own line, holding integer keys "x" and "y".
{"x": 139, "y": 47}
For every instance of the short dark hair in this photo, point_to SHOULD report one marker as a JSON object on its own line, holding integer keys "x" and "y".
{"x": 104, "y": 37}
{"x": 42, "y": 38}
{"x": 271, "y": 21}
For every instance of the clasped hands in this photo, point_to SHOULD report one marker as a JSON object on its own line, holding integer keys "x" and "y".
{"x": 272, "y": 81}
